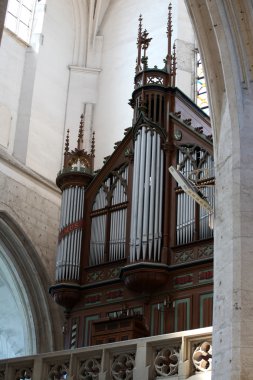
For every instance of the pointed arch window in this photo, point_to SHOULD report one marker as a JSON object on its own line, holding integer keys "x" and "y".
{"x": 108, "y": 219}
{"x": 201, "y": 89}
{"x": 19, "y": 18}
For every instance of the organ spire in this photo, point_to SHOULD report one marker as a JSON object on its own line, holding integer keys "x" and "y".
{"x": 143, "y": 42}
{"x": 169, "y": 36}
{"x": 138, "y": 63}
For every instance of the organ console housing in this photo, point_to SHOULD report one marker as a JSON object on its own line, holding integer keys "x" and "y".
{"x": 135, "y": 251}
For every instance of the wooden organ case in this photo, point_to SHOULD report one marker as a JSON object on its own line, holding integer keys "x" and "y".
{"x": 135, "y": 252}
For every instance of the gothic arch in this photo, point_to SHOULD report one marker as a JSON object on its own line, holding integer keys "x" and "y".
{"x": 24, "y": 281}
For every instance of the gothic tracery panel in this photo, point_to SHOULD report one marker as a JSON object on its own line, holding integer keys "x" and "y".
{"x": 108, "y": 219}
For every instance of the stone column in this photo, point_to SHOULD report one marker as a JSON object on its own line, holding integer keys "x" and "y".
{"x": 225, "y": 34}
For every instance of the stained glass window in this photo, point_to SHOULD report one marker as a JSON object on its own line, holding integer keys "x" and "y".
{"x": 19, "y": 18}
{"x": 201, "y": 91}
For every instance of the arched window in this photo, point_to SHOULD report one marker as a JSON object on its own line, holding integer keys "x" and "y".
{"x": 201, "y": 91}
{"x": 19, "y": 18}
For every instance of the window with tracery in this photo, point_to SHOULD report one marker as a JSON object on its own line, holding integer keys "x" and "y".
{"x": 19, "y": 18}
{"x": 201, "y": 91}
{"x": 108, "y": 219}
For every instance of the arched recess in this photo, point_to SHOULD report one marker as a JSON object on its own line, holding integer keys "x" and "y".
{"x": 24, "y": 290}
{"x": 224, "y": 30}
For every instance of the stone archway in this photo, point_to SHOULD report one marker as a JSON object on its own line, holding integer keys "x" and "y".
{"x": 225, "y": 34}
{"x": 26, "y": 313}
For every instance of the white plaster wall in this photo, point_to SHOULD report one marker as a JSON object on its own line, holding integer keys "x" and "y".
{"x": 50, "y": 89}
{"x": 119, "y": 29}
{"x": 12, "y": 59}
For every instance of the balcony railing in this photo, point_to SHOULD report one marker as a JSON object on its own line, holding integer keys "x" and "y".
{"x": 183, "y": 355}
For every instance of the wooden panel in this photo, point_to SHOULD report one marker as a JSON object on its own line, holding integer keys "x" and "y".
{"x": 123, "y": 328}
{"x": 206, "y": 310}
{"x": 88, "y": 328}
{"x": 182, "y": 314}
{"x": 157, "y": 319}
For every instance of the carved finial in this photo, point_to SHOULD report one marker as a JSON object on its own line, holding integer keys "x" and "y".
{"x": 139, "y": 40}
{"x": 174, "y": 66}
{"x": 145, "y": 44}
{"x": 66, "y": 150}
{"x": 169, "y": 34}
{"x": 92, "y": 151}
{"x": 80, "y": 134}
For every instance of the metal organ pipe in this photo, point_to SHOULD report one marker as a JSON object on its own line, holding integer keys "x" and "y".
{"x": 160, "y": 205}
{"x": 152, "y": 196}
{"x": 157, "y": 184}
{"x": 146, "y": 196}
{"x": 141, "y": 194}
{"x": 146, "y": 220}
{"x": 69, "y": 248}
{"x": 136, "y": 177}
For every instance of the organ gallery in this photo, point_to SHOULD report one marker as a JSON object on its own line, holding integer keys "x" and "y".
{"x": 135, "y": 251}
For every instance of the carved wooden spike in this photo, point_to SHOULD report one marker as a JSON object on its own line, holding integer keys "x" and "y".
{"x": 174, "y": 65}
{"x": 139, "y": 39}
{"x": 169, "y": 34}
{"x": 92, "y": 151}
{"x": 80, "y": 134}
{"x": 66, "y": 150}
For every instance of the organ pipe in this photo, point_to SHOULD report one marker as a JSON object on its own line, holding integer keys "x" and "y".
{"x": 146, "y": 220}
{"x": 69, "y": 247}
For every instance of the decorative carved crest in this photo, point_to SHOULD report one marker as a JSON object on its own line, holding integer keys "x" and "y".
{"x": 122, "y": 366}
{"x": 166, "y": 362}
{"x": 143, "y": 120}
{"x": 90, "y": 369}
{"x": 202, "y": 357}
{"x": 23, "y": 374}
{"x": 79, "y": 158}
{"x": 58, "y": 371}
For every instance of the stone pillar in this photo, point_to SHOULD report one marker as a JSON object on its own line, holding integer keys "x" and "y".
{"x": 3, "y": 7}
{"x": 225, "y": 35}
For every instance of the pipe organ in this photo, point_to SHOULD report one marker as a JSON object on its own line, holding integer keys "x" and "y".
{"x": 133, "y": 246}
